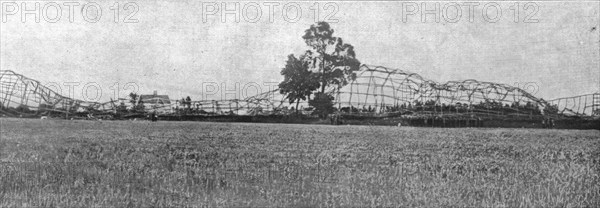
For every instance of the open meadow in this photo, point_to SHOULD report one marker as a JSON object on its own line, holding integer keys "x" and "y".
{"x": 67, "y": 163}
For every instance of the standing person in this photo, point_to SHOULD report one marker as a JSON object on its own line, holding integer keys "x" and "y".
{"x": 153, "y": 117}
{"x": 544, "y": 123}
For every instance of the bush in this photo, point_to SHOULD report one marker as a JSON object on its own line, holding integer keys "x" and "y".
{"x": 551, "y": 110}
{"x": 323, "y": 104}
{"x": 23, "y": 109}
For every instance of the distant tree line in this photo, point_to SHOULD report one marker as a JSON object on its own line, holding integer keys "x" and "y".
{"x": 432, "y": 106}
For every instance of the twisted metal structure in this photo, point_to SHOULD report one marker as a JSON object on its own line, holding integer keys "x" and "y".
{"x": 266, "y": 103}
{"x": 21, "y": 96}
{"x": 376, "y": 90}
{"x": 581, "y": 105}
{"x": 385, "y": 90}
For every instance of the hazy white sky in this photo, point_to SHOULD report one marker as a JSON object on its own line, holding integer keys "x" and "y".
{"x": 174, "y": 49}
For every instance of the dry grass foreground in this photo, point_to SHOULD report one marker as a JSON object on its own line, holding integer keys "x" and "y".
{"x": 122, "y": 163}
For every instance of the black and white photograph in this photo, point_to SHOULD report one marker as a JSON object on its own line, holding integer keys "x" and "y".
{"x": 189, "y": 103}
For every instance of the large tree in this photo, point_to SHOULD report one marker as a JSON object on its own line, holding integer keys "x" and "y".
{"x": 333, "y": 60}
{"x": 298, "y": 82}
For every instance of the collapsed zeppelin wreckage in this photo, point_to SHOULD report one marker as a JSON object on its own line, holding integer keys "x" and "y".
{"x": 376, "y": 91}
{"x": 24, "y": 97}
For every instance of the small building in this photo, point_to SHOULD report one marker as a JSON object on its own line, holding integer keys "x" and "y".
{"x": 156, "y": 102}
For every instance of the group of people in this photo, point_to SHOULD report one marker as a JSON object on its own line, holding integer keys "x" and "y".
{"x": 335, "y": 119}
{"x": 548, "y": 123}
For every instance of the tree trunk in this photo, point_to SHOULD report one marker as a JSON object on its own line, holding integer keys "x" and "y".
{"x": 323, "y": 81}
{"x": 297, "y": 102}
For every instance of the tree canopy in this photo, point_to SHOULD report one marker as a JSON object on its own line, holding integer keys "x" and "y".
{"x": 333, "y": 60}
{"x": 298, "y": 82}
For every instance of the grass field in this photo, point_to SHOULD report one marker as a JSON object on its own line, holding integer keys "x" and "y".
{"x": 123, "y": 163}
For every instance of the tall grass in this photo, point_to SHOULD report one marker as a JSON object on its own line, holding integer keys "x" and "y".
{"x": 132, "y": 164}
